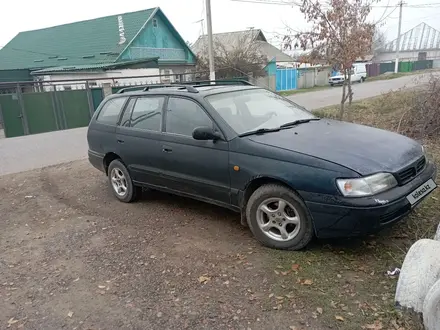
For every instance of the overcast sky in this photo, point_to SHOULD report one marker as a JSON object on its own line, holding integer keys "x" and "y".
{"x": 228, "y": 15}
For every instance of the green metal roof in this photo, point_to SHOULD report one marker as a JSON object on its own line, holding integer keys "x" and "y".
{"x": 71, "y": 44}
{"x": 93, "y": 67}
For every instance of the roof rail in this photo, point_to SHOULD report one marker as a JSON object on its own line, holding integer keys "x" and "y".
{"x": 220, "y": 82}
{"x": 146, "y": 88}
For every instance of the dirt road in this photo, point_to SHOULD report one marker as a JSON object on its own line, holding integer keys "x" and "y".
{"x": 73, "y": 257}
{"x": 331, "y": 96}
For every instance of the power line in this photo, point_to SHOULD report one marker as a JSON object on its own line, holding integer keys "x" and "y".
{"x": 293, "y": 3}
{"x": 384, "y": 18}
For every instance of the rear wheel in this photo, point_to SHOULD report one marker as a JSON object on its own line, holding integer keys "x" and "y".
{"x": 278, "y": 218}
{"x": 121, "y": 183}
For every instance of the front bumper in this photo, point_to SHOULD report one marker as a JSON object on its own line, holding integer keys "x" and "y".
{"x": 336, "y": 81}
{"x": 337, "y": 216}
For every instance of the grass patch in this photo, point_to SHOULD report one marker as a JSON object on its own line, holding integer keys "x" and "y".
{"x": 387, "y": 76}
{"x": 392, "y": 75}
{"x": 343, "y": 283}
{"x": 304, "y": 90}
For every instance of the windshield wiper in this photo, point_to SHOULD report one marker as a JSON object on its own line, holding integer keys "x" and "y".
{"x": 260, "y": 131}
{"x": 297, "y": 122}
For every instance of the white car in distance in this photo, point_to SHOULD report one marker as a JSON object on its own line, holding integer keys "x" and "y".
{"x": 358, "y": 74}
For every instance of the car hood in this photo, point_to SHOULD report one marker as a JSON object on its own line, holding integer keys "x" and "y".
{"x": 360, "y": 148}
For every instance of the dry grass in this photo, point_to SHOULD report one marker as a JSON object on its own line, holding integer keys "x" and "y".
{"x": 304, "y": 90}
{"x": 349, "y": 284}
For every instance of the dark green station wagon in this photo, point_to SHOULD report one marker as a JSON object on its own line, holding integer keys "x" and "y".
{"x": 290, "y": 175}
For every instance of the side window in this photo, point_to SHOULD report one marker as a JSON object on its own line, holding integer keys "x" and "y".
{"x": 147, "y": 113}
{"x": 109, "y": 114}
{"x": 183, "y": 116}
{"x": 125, "y": 120}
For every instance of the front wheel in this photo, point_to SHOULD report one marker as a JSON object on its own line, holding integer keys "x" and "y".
{"x": 121, "y": 183}
{"x": 278, "y": 218}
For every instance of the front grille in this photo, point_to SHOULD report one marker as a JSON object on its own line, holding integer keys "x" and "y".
{"x": 410, "y": 172}
{"x": 421, "y": 165}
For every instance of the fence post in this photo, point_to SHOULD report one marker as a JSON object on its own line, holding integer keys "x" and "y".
{"x": 2, "y": 124}
{"x": 90, "y": 99}
{"x": 23, "y": 116}
{"x": 55, "y": 111}
{"x": 60, "y": 105}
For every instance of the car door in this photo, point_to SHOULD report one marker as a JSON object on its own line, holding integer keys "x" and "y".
{"x": 138, "y": 137}
{"x": 198, "y": 168}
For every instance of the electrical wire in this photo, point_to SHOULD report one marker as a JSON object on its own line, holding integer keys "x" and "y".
{"x": 294, "y": 3}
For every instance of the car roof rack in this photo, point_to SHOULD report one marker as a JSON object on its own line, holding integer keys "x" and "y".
{"x": 146, "y": 88}
{"x": 220, "y": 82}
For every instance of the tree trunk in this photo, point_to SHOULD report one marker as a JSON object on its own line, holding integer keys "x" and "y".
{"x": 350, "y": 90}
{"x": 350, "y": 96}
{"x": 344, "y": 96}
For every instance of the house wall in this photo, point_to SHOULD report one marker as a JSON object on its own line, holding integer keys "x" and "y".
{"x": 113, "y": 77}
{"x": 311, "y": 77}
{"x": 158, "y": 41}
{"x": 407, "y": 56}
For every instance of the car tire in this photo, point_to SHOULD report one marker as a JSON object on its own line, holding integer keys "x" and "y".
{"x": 121, "y": 184}
{"x": 278, "y": 218}
{"x": 362, "y": 79}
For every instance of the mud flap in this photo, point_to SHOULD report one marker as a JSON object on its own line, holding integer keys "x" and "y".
{"x": 243, "y": 219}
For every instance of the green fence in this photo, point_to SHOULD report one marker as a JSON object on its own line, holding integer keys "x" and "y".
{"x": 39, "y": 112}
{"x": 405, "y": 66}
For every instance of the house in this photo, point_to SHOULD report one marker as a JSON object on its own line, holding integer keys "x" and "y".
{"x": 418, "y": 44}
{"x": 134, "y": 44}
{"x": 232, "y": 40}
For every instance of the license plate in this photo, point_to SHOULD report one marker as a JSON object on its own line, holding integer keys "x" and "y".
{"x": 421, "y": 192}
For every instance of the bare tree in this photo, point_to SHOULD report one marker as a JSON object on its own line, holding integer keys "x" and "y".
{"x": 241, "y": 58}
{"x": 379, "y": 41}
{"x": 339, "y": 34}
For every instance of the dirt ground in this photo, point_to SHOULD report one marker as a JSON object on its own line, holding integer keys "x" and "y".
{"x": 72, "y": 257}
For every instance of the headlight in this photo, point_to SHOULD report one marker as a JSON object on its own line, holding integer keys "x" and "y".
{"x": 367, "y": 186}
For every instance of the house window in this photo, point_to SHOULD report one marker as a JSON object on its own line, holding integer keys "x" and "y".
{"x": 154, "y": 23}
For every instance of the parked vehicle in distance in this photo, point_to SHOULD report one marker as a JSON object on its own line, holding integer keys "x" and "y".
{"x": 291, "y": 175}
{"x": 358, "y": 74}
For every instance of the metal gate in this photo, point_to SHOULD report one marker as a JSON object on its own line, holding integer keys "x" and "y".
{"x": 26, "y": 113}
{"x": 286, "y": 79}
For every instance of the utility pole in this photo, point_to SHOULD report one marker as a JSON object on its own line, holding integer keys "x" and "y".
{"x": 210, "y": 41}
{"x": 396, "y": 67}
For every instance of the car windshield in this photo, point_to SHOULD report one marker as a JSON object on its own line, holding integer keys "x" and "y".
{"x": 250, "y": 110}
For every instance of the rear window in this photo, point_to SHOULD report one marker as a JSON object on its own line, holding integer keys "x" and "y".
{"x": 109, "y": 113}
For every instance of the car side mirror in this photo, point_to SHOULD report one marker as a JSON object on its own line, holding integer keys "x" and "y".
{"x": 205, "y": 133}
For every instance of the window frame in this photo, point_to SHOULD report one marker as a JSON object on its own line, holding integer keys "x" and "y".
{"x": 136, "y": 98}
{"x": 126, "y": 108}
{"x": 124, "y": 105}
{"x": 165, "y": 115}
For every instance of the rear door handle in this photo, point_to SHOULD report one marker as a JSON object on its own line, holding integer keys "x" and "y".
{"x": 167, "y": 149}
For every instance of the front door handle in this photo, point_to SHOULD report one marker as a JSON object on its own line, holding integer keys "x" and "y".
{"x": 120, "y": 141}
{"x": 167, "y": 149}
